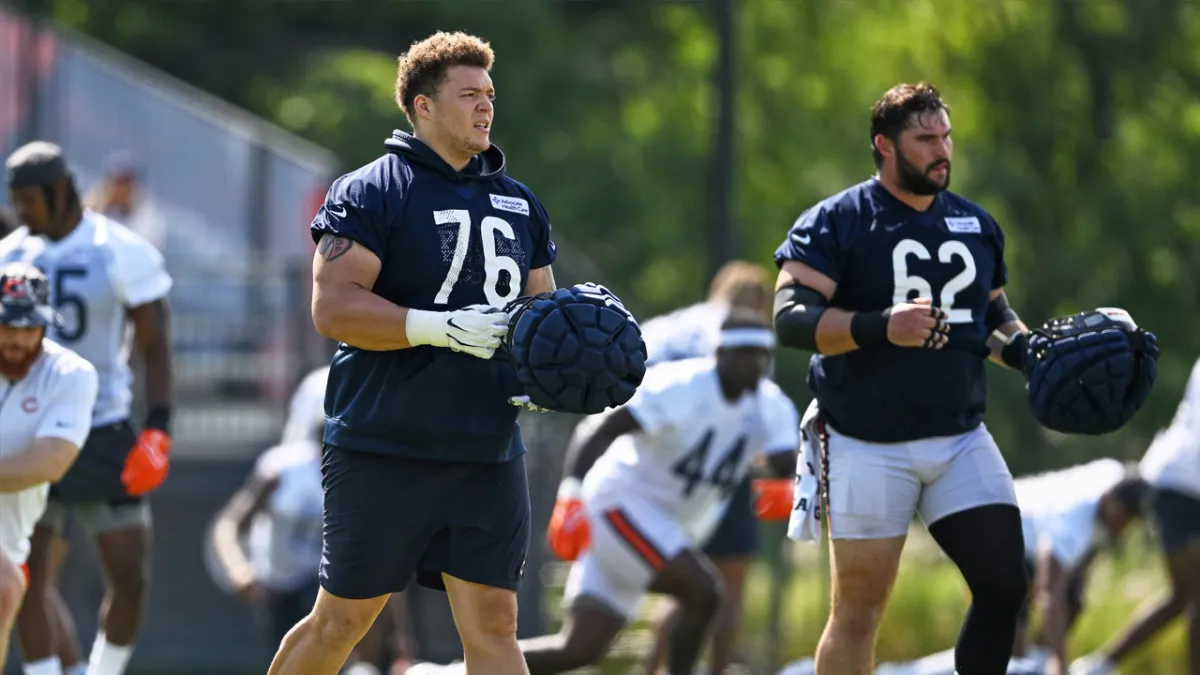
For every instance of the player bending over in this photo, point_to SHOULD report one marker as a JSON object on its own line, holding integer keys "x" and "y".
{"x": 104, "y": 277}
{"x": 47, "y": 393}
{"x": 1172, "y": 466}
{"x": 897, "y": 284}
{"x": 646, "y": 485}
{"x": 423, "y": 464}
{"x": 693, "y": 332}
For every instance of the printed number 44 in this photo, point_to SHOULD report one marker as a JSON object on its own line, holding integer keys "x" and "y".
{"x": 492, "y": 264}
{"x": 909, "y": 287}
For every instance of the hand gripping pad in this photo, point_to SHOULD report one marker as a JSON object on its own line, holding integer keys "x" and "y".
{"x": 576, "y": 350}
{"x": 1089, "y": 373}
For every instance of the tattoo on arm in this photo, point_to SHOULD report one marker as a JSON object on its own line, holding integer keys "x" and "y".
{"x": 332, "y": 247}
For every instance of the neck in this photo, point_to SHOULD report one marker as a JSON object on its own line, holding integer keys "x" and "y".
{"x": 889, "y": 182}
{"x": 65, "y": 226}
{"x": 443, "y": 149}
{"x": 729, "y": 391}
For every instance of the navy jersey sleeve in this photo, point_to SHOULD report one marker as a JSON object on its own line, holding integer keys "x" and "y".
{"x": 813, "y": 240}
{"x": 354, "y": 208}
{"x": 544, "y": 249}
{"x": 1000, "y": 277}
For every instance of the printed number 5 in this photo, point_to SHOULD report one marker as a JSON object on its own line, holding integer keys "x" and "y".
{"x": 909, "y": 287}
{"x": 492, "y": 264}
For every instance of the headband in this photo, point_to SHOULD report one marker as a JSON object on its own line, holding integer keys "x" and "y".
{"x": 732, "y": 338}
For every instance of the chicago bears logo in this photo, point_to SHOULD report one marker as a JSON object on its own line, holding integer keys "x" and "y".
{"x": 14, "y": 288}
{"x": 29, "y": 405}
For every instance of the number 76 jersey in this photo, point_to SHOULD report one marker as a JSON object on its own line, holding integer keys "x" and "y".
{"x": 694, "y": 447}
{"x": 97, "y": 272}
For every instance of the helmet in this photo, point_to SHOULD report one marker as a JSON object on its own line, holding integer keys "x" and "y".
{"x": 25, "y": 297}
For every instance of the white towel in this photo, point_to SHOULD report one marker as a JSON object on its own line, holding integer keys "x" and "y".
{"x": 805, "y": 522}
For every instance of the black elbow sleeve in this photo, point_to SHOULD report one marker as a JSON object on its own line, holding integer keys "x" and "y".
{"x": 797, "y": 311}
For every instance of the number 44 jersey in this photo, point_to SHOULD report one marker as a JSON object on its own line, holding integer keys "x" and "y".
{"x": 97, "y": 272}
{"x": 694, "y": 447}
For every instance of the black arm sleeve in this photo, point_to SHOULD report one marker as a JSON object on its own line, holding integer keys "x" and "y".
{"x": 798, "y": 308}
{"x": 999, "y": 313}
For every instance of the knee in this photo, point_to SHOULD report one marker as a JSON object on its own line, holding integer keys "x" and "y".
{"x": 336, "y": 627}
{"x": 492, "y": 624}
{"x": 12, "y": 590}
{"x": 581, "y": 651}
{"x": 705, "y": 598}
{"x": 129, "y": 580}
{"x": 1005, "y": 585}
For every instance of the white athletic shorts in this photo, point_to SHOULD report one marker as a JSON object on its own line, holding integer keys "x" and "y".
{"x": 631, "y": 540}
{"x": 875, "y": 489}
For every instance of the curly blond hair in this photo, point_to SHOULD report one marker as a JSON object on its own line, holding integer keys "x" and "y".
{"x": 422, "y": 69}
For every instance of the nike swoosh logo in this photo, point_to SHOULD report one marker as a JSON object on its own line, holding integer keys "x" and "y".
{"x": 450, "y": 322}
{"x": 802, "y": 240}
{"x": 339, "y": 212}
{"x": 62, "y": 425}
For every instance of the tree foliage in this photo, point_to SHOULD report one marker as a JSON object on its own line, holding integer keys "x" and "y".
{"x": 1077, "y": 124}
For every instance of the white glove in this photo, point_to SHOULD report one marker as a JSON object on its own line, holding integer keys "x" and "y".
{"x": 474, "y": 330}
{"x": 1093, "y": 664}
{"x": 523, "y": 402}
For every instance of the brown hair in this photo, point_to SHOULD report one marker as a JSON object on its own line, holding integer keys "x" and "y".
{"x": 732, "y": 278}
{"x": 894, "y": 111}
{"x": 422, "y": 69}
{"x": 744, "y": 318}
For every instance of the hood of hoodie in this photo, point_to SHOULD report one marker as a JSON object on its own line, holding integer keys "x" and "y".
{"x": 487, "y": 165}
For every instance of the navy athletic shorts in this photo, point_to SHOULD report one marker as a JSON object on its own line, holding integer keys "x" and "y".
{"x": 387, "y": 518}
{"x": 737, "y": 535}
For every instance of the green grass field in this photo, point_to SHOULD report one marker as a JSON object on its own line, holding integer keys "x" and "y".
{"x": 926, "y": 609}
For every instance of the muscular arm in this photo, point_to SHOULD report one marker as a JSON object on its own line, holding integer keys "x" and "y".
{"x": 833, "y": 328}
{"x": 44, "y": 462}
{"x": 249, "y": 500}
{"x": 152, "y": 330}
{"x": 541, "y": 280}
{"x": 343, "y": 306}
{"x": 1002, "y": 334}
{"x": 585, "y": 451}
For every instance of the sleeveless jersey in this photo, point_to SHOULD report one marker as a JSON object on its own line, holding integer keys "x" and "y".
{"x": 695, "y": 446}
{"x": 1173, "y": 459}
{"x": 96, "y": 273}
{"x": 1060, "y": 509}
{"x": 54, "y": 400}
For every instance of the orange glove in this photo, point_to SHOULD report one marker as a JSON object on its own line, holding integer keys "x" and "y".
{"x": 147, "y": 465}
{"x": 773, "y": 498}
{"x": 568, "y": 532}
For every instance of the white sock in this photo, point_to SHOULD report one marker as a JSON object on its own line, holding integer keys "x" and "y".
{"x": 107, "y": 658}
{"x": 77, "y": 669}
{"x": 50, "y": 666}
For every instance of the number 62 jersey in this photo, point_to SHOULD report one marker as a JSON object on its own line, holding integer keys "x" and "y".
{"x": 694, "y": 447}
{"x": 881, "y": 252}
{"x": 97, "y": 272}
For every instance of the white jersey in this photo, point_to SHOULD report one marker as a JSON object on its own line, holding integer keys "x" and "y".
{"x": 1173, "y": 459}
{"x": 1060, "y": 509}
{"x": 54, "y": 400}
{"x": 695, "y": 446}
{"x": 96, "y": 273}
{"x": 687, "y": 333}
{"x": 285, "y": 539}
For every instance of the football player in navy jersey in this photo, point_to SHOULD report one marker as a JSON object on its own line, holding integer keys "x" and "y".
{"x": 423, "y": 464}
{"x": 897, "y": 284}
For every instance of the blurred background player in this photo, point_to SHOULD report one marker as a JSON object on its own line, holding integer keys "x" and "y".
{"x": 1067, "y": 517}
{"x": 47, "y": 393}
{"x": 417, "y": 252}
{"x": 8, "y": 222}
{"x": 1172, "y": 466}
{"x": 105, "y": 277}
{"x": 267, "y": 539}
{"x": 646, "y": 485}
{"x": 122, "y": 196}
{"x": 693, "y": 332}
{"x": 896, "y": 285}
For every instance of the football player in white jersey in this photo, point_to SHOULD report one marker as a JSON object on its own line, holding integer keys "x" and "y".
{"x": 1067, "y": 518}
{"x": 693, "y": 332}
{"x": 47, "y": 394}
{"x": 646, "y": 484}
{"x": 1172, "y": 466}
{"x": 103, "y": 278}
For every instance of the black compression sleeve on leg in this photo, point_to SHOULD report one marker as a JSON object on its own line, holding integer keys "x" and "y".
{"x": 798, "y": 309}
{"x": 987, "y": 546}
